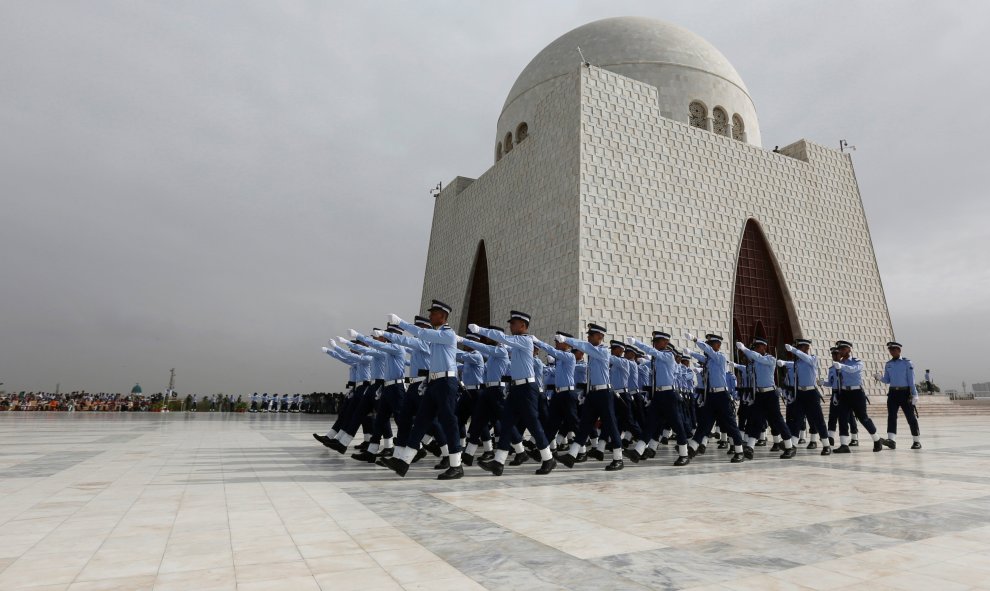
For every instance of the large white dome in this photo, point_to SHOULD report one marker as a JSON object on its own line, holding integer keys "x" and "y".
{"x": 682, "y": 65}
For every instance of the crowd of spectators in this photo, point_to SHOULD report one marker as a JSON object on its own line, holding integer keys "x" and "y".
{"x": 314, "y": 403}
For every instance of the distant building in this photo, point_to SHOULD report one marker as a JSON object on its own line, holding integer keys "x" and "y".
{"x": 981, "y": 390}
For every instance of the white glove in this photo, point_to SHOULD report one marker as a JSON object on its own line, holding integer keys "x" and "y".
{"x": 629, "y": 340}
{"x": 460, "y": 339}
{"x": 473, "y": 328}
{"x": 914, "y": 400}
{"x": 559, "y": 338}
{"x": 378, "y": 333}
{"x": 343, "y": 341}
{"x": 353, "y": 333}
{"x": 789, "y": 348}
{"x": 877, "y": 376}
{"x": 394, "y": 319}
{"x": 836, "y": 365}
{"x": 821, "y": 382}
{"x": 326, "y": 349}
{"x": 689, "y": 336}
{"x": 780, "y": 363}
{"x": 740, "y": 346}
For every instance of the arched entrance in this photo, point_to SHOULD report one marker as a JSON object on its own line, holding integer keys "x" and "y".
{"x": 760, "y": 306}
{"x": 478, "y": 304}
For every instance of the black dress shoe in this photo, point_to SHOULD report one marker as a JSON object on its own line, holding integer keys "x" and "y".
{"x": 581, "y": 458}
{"x": 534, "y": 454}
{"x": 433, "y": 447}
{"x": 723, "y": 444}
{"x": 789, "y": 453}
{"x": 682, "y": 461}
{"x": 520, "y": 459}
{"x": 649, "y": 453}
{"x": 365, "y": 456}
{"x": 321, "y": 438}
{"x": 761, "y": 443}
{"x": 826, "y": 451}
{"x": 878, "y": 445}
{"x": 889, "y": 443}
{"x": 737, "y": 458}
{"x": 420, "y": 454}
{"x": 854, "y": 443}
{"x": 802, "y": 441}
{"x": 380, "y": 461}
{"x": 776, "y": 447}
{"x": 452, "y": 473}
{"x": 397, "y": 466}
{"x": 632, "y": 454}
{"x": 487, "y": 456}
{"x": 527, "y": 444}
{"x": 363, "y": 446}
{"x": 731, "y": 451}
{"x": 614, "y": 466}
{"x": 842, "y": 449}
{"x": 812, "y": 445}
{"x": 567, "y": 460}
{"x": 747, "y": 452}
{"x": 916, "y": 445}
{"x": 691, "y": 452}
{"x": 701, "y": 449}
{"x": 547, "y": 467}
{"x": 596, "y": 454}
{"x": 444, "y": 463}
{"x": 492, "y": 466}
{"x": 831, "y": 442}
{"x": 337, "y": 446}
{"x": 664, "y": 441}
{"x": 466, "y": 459}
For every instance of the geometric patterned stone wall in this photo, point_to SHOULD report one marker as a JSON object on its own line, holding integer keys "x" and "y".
{"x": 609, "y": 212}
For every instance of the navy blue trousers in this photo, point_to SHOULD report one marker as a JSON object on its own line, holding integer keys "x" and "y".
{"x": 522, "y": 407}
{"x": 598, "y": 405}
{"x": 854, "y": 401}
{"x": 766, "y": 409}
{"x": 662, "y": 410}
{"x": 901, "y": 401}
{"x": 717, "y": 409}
{"x": 810, "y": 405}
{"x": 361, "y": 409}
{"x": 438, "y": 404}
{"x": 563, "y": 417}
{"x": 389, "y": 405}
{"x": 839, "y": 416}
{"x": 487, "y": 409}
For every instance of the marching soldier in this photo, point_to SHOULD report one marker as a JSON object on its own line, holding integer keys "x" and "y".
{"x": 522, "y": 403}
{"x": 852, "y": 397}
{"x": 440, "y": 398}
{"x": 599, "y": 402}
{"x": 898, "y": 374}
{"x": 489, "y": 404}
{"x": 393, "y": 390}
{"x": 663, "y": 407}
{"x": 805, "y": 367}
{"x": 563, "y": 417}
{"x": 766, "y": 405}
{"x": 715, "y": 405}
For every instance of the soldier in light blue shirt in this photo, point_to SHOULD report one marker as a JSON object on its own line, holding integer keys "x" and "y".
{"x": 563, "y": 416}
{"x": 360, "y": 379}
{"x": 389, "y": 402}
{"x": 838, "y": 417}
{"x": 715, "y": 405}
{"x": 766, "y": 404}
{"x": 472, "y": 382}
{"x": 898, "y": 374}
{"x": 808, "y": 399}
{"x": 521, "y": 407}
{"x": 625, "y": 404}
{"x": 418, "y": 371}
{"x": 599, "y": 401}
{"x": 440, "y": 399}
{"x": 849, "y": 371}
{"x": 488, "y": 407}
{"x": 662, "y": 410}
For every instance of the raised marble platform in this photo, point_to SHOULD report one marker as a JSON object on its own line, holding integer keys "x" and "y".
{"x": 207, "y": 501}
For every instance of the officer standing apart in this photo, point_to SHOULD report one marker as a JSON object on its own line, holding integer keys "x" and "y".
{"x": 898, "y": 374}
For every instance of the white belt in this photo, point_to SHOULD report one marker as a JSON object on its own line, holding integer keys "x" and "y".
{"x": 850, "y": 388}
{"x": 523, "y": 381}
{"x": 764, "y": 390}
{"x": 416, "y": 379}
{"x": 718, "y": 389}
{"x": 443, "y": 374}
{"x": 393, "y": 382}
{"x": 364, "y": 383}
{"x": 567, "y": 389}
{"x": 472, "y": 387}
{"x": 620, "y": 391}
{"x": 492, "y": 384}
{"x": 598, "y": 388}
{"x": 663, "y": 388}
{"x": 807, "y": 389}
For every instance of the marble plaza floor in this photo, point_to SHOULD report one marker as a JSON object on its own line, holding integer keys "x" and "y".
{"x": 146, "y": 501}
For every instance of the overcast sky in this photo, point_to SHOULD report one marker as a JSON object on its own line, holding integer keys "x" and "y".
{"x": 221, "y": 186}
